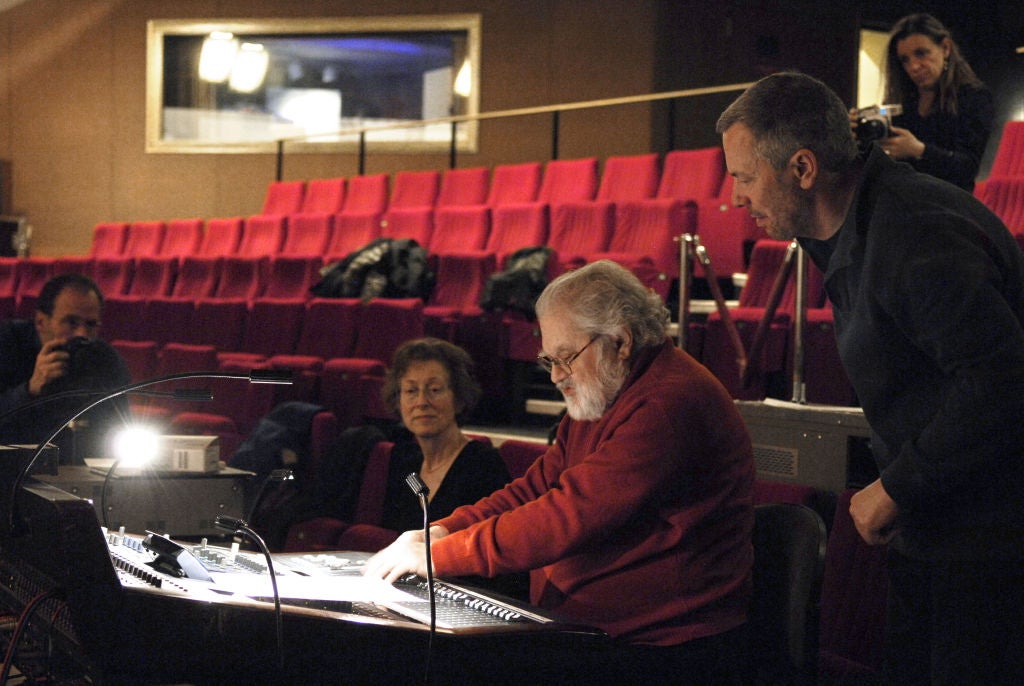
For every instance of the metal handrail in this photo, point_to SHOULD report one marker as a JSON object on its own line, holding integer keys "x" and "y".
{"x": 554, "y": 110}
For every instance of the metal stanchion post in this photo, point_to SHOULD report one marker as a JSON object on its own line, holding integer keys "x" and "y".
{"x": 685, "y": 252}
{"x": 799, "y": 322}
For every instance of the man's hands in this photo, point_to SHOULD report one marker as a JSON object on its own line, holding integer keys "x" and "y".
{"x": 874, "y": 513}
{"x": 51, "y": 363}
{"x": 407, "y": 555}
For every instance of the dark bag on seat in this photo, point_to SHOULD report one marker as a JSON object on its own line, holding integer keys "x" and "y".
{"x": 384, "y": 268}
{"x": 518, "y": 287}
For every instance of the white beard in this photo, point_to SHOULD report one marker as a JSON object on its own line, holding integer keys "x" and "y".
{"x": 592, "y": 398}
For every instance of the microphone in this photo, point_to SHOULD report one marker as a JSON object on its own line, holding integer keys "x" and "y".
{"x": 275, "y": 376}
{"x": 421, "y": 490}
{"x": 239, "y": 526}
{"x": 275, "y": 476}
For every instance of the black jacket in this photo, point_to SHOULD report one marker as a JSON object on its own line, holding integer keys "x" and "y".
{"x": 928, "y": 291}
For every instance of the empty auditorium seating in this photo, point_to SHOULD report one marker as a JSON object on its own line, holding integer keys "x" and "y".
{"x": 145, "y": 238}
{"x": 283, "y": 197}
{"x": 108, "y": 239}
{"x": 153, "y": 277}
{"x": 241, "y": 278}
{"x": 165, "y": 320}
{"x": 323, "y": 195}
{"x": 363, "y": 532}
{"x": 472, "y": 220}
{"x": 197, "y": 277}
{"x": 219, "y": 323}
{"x": 384, "y": 324}
{"x": 271, "y": 327}
{"x": 328, "y": 330}
{"x": 410, "y": 212}
{"x": 290, "y": 277}
{"x": 461, "y": 278}
{"x": 72, "y": 264}
{"x": 308, "y": 232}
{"x": 569, "y": 180}
{"x": 308, "y": 235}
{"x": 139, "y": 356}
{"x": 563, "y": 181}
{"x": 585, "y": 231}
{"x": 728, "y": 233}
{"x": 359, "y": 221}
{"x": 262, "y": 236}
{"x": 113, "y": 275}
{"x": 650, "y": 226}
{"x": 182, "y": 238}
{"x": 461, "y": 217}
{"x": 124, "y": 319}
{"x": 221, "y": 237}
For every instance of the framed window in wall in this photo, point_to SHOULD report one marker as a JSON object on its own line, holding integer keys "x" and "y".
{"x": 241, "y": 85}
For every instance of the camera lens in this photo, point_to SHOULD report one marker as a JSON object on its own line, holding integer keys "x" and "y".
{"x": 872, "y": 129}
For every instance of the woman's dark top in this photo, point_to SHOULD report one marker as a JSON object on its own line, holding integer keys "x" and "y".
{"x": 478, "y": 471}
{"x": 954, "y": 144}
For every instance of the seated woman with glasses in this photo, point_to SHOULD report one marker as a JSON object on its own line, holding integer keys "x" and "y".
{"x": 431, "y": 388}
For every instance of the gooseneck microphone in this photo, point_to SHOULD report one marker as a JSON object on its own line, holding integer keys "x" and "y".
{"x": 420, "y": 489}
{"x": 274, "y": 376}
{"x": 239, "y": 526}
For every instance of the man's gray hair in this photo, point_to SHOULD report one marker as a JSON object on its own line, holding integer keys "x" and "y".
{"x": 605, "y": 298}
{"x": 789, "y": 111}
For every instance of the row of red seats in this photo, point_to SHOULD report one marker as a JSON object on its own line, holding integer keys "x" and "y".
{"x": 337, "y": 349}
{"x": 632, "y": 208}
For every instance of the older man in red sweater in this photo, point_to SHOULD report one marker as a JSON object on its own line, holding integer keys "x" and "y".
{"x": 638, "y": 519}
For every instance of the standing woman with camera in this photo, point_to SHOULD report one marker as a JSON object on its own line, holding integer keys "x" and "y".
{"x": 947, "y": 110}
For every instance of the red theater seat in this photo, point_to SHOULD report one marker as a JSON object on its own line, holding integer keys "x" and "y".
{"x": 221, "y": 237}
{"x": 182, "y": 238}
{"x": 241, "y": 278}
{"x": 324, "y": 195}
{"x": 283, "y": 197}
{"x": 359, "y": 222}
{"x": 853, "y": 604}
{"x": 410, "y": 212}
{"x": 144, "y": 238}
{"x": 461, "y": 278}
{"x": 461, "y": 217}
{"x": 108, "y": 239}
{"x": 518, "y": 455}
{"x": 291, "y": 277}
{"x": 197, "y": 277}
{"x": 113, "y": 275}
{"x": 262, "y": 236}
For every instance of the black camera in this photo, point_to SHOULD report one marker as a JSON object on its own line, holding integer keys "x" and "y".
{"x": 875, "y": 123}
{"x": 78, "y": 350}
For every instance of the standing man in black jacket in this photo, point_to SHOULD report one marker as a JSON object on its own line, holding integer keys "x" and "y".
{"x": 927, "y": 286}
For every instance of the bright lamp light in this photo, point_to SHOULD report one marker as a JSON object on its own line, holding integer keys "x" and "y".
{"x": 217, "y": 57}
{"x": 250, "y": 68}
{"x": 135, "y": 446}
{"x": 464, "y": 79}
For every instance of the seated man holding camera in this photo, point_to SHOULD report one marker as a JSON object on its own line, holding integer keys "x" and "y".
{"x": 57, "y": 351}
